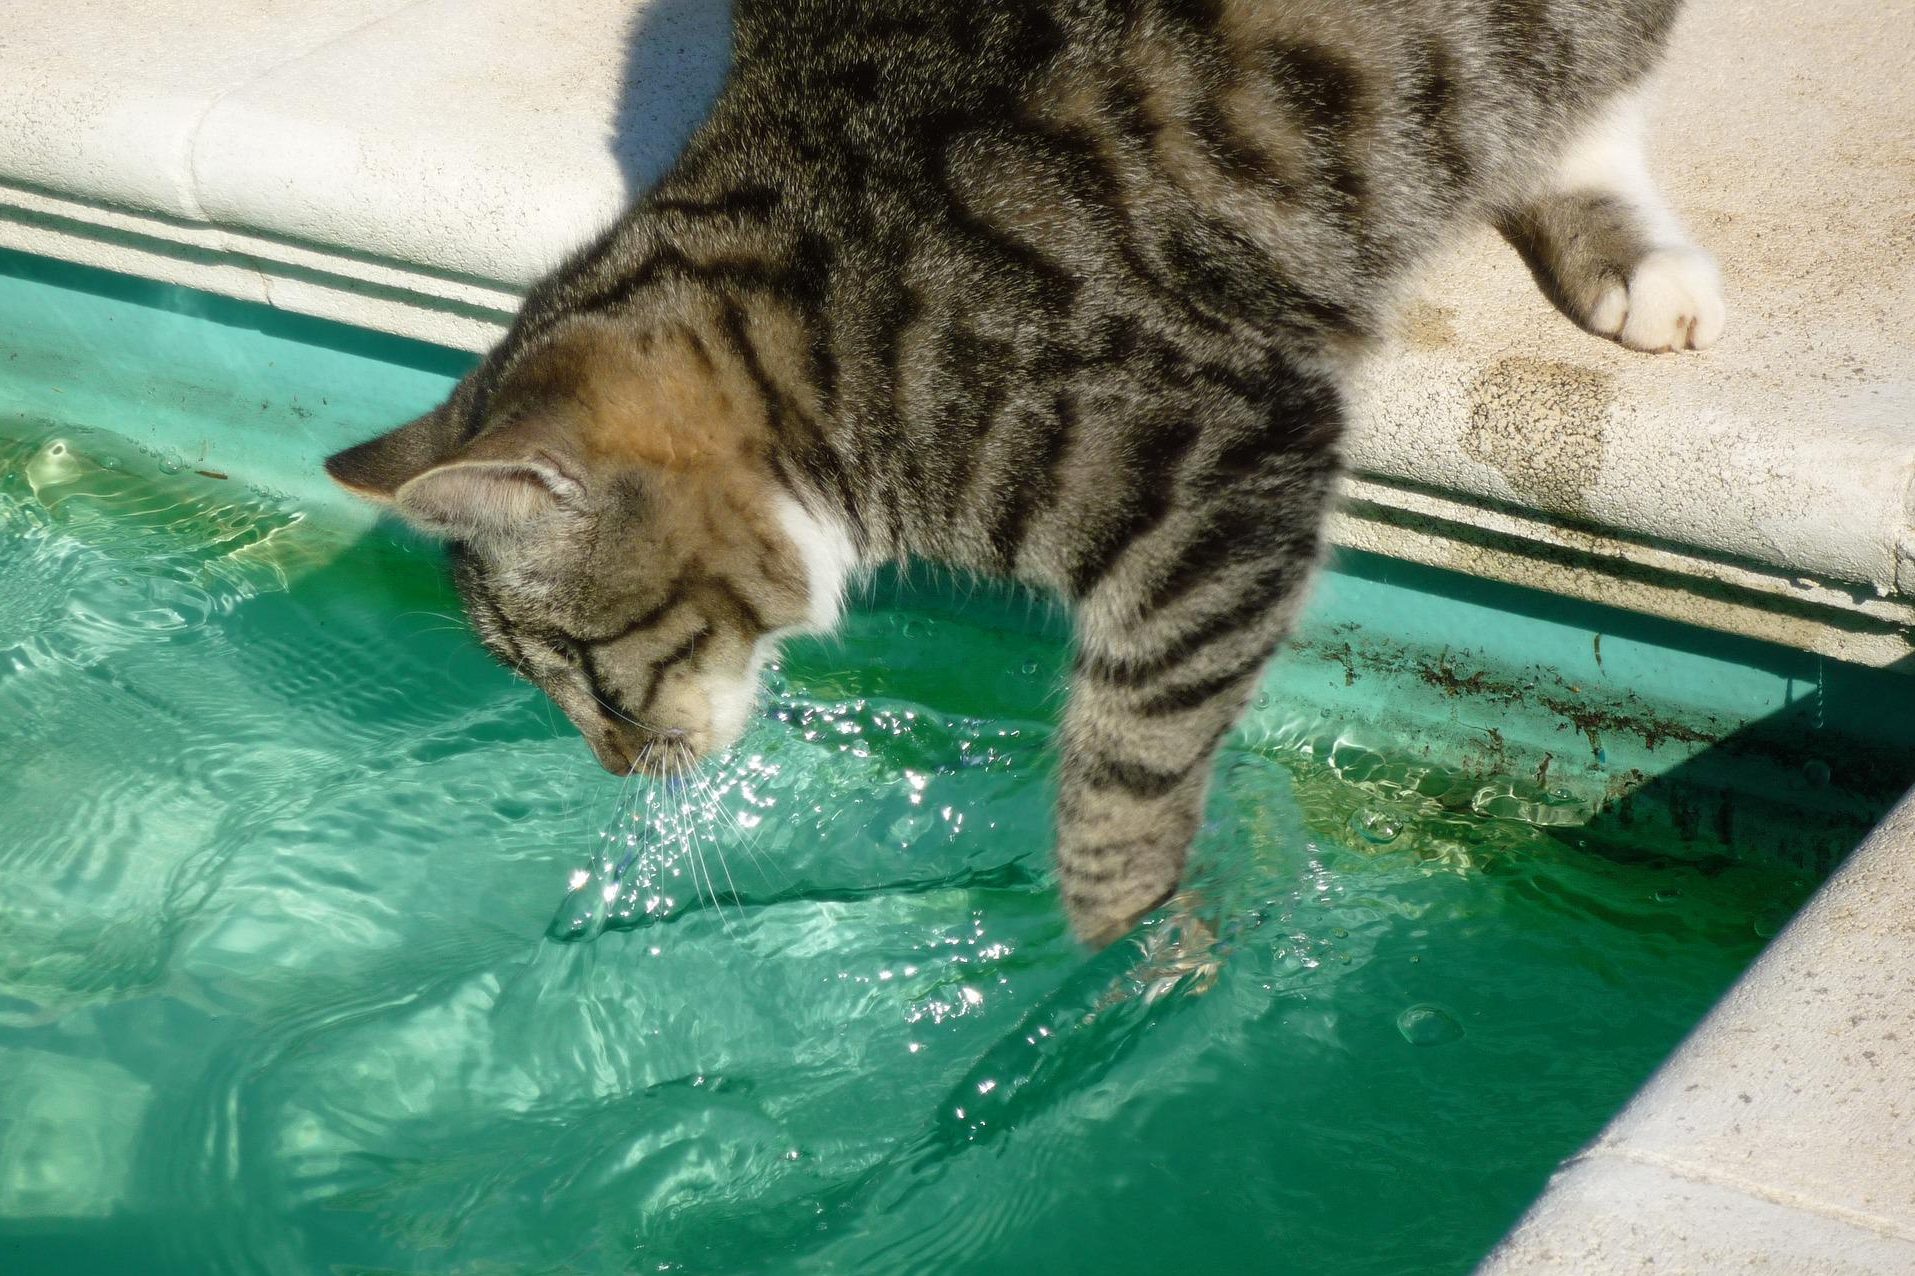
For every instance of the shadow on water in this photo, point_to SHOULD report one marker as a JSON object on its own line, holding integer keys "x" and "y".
{"x": 677, "y": 55}
{"x": 1804, "y": 785}
{"x": 1801, "y": 784}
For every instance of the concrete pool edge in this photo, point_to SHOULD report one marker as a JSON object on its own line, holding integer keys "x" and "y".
{"x": 1761, "y": 489}
{"x": 1781, "y": 1135}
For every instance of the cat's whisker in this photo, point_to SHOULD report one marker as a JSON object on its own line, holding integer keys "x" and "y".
{"x": 685, "y": 839}
{"x": 714, "y": 800}
{"x": 547, "y": 708}
{"x": 694, "y": 841}
{"x": 625, "y": 806}
{"x": 680, "y": 775}
{"x": 686, "y": 816}
{"x": 745, "y": 837}
{"x": 617, "y": 712}
{"x": 461, "y": 622}
{"x": 701, "y": 789}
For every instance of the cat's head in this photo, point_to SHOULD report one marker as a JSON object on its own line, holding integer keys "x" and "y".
{"x": 618, "y": 531}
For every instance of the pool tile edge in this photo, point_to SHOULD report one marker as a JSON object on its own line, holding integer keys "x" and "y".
{"x": 1781, "y": 1136}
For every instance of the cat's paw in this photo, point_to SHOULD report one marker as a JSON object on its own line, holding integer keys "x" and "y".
{"x": 1181, "y": 953}
{"x": 1673, "y": 301}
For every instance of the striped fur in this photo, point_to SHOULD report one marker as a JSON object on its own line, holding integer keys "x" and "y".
{"x": 1057, "y": 289}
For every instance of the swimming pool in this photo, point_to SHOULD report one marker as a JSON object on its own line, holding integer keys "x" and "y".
{"x": 306, "y": 961}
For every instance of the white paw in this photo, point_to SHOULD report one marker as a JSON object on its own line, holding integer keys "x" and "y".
{"x": 1673, "y": 302}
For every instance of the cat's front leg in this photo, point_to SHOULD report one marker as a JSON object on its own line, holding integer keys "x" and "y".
{"x": 1607, "y": 249}
{"x": 1150, "y": 700}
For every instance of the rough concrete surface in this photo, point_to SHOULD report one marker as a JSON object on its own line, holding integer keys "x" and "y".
{"x": 1611, "y": 1218}
{"x": 1785, "y": 137}
{"x": 411, "y": 164}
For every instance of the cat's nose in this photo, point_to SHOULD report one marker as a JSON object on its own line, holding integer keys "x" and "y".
{"x": 667, "y": 752}
{"x": 625, "y": 752}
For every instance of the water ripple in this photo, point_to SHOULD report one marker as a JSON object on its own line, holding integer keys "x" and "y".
{"x": 282, "y": 849}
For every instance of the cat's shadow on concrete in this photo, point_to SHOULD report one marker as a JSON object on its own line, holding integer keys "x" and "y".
{"x": 677, "y": 54}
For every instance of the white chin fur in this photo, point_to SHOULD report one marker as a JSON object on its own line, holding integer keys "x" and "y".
{"x": 829, "y": 561}
{"x": 731, "y": 704}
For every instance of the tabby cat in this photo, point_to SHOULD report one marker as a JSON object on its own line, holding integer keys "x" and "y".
{"x": 1062, "y": 290}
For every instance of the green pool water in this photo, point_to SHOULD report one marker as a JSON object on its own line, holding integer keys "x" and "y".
{"x": 307, "y": 965}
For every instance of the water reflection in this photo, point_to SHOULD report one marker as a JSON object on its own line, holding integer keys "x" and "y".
{"x": 279, "y": 991}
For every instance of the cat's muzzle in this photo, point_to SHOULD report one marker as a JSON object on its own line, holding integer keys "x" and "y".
{"x": 625, "y": 750}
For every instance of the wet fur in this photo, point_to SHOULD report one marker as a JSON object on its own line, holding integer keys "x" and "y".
{"x": 1062, "y": 290}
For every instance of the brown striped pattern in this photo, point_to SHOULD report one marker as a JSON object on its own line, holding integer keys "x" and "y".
{"x": 1058, "y": 289}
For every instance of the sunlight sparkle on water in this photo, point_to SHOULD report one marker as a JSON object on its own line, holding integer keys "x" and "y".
{"x": 282, "y": 838}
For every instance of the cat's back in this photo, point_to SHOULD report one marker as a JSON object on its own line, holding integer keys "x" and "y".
{"x": 852, "y": 60}
{"x": 1313, "y": 129}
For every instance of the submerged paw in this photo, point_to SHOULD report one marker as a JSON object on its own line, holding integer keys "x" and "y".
{"x": 1181, "y": 954}
{"x": 1672, "y": 301}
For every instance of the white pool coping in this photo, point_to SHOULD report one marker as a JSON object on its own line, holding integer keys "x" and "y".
{"x": 411, "y": 165}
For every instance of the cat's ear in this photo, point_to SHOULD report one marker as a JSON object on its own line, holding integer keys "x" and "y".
{"x": 378, "y": 468}
{"x": 484, "y": 499}
{"x": 503, "y": 482}
{"x": 507, "y": 482}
